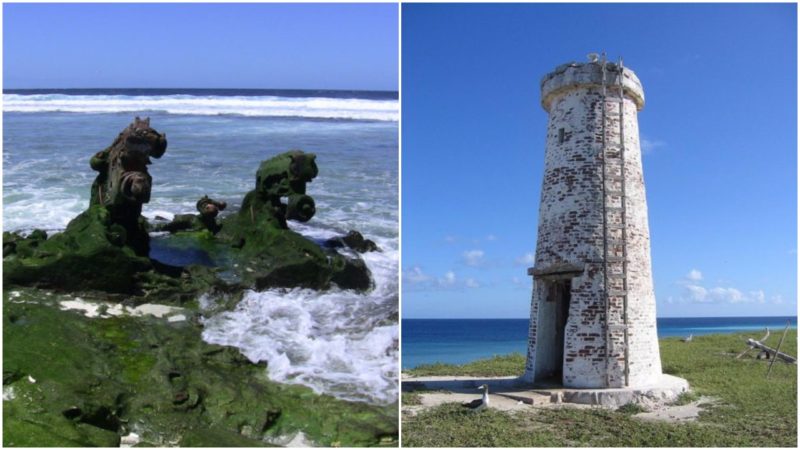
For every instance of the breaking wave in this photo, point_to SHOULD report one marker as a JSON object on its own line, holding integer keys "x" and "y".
{"x": 340, "y": 343}
{"x": 253, "y": 106}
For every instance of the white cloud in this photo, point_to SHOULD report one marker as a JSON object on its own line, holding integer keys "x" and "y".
{"x": 449, "y": 279}
{"x": 528, "y": 259}
{"x": 697, "y": 293}
{"x": 473, "y": 257}
{"x": 416, "y": 279}
{"x": 491, "y": 237}
{"x": 415, "y": 275}
{"x": 694, "y": 275}
{"x": 777, "y": 299}
{"x": 648, "y": 146}
{"x": 758, "y": 296}
{"x": 719, "y": 294}
{"x": 729, "y": 295}
{"x": 450, "y": 239}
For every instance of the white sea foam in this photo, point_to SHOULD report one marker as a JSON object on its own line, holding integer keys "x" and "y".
{"x": 338, "y": 342}
{"x": 255, "y": 106}
{"x": 51, "y": 213}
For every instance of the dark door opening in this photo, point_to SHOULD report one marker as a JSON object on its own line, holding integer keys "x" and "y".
{"x": 560, "y": 294}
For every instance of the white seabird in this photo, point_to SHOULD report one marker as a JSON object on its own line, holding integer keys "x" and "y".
{"x": 687, "y": 339}
{"x": 480, "y": 403}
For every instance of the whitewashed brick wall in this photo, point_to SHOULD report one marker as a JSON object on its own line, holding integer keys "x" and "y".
{"x": 570, "y": 231}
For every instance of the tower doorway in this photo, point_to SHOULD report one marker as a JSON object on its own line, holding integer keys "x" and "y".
{"x": 559, "y": 295}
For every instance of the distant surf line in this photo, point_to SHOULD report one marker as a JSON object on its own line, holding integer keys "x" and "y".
{"x": 319, "y": 107}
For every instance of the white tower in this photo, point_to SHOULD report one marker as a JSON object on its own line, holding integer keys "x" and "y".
{"x": 593, "y": 312}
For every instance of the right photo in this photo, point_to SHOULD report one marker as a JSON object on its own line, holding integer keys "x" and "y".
{"x": 599, "y": 225}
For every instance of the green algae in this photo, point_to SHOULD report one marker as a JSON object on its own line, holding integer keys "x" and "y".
{"x": 98, "y": 379}
{"x": 272, "y": 255}
{"x": 87, "y": 255}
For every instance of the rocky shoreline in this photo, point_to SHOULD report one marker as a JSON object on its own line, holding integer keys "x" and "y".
{"x": 99, "y": 379}
{"x": 112, "y": 337}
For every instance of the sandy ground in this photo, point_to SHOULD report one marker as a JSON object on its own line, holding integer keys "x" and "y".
{"x": 676, "y": 414}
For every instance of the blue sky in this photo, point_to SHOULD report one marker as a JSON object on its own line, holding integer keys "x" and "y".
{"x": 718, "y": 132}
{"x": 313, "y": 46}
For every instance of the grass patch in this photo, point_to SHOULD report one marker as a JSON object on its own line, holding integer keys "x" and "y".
{"x": 410, "y": 399}
{"x": 685, "y": 398}
{"x": 630, "y": 409}
{"x": 496, "y": 366}
{"x": 751, "y": 411}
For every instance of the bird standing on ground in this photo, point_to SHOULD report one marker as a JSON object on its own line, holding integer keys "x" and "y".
{"x": 687, "y": 339}
{"x": 480, "y": 403}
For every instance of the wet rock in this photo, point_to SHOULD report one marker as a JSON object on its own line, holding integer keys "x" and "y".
{"x": 208, "y": 209}
{"x": 353, "y": 240}
{"x": 357, "y": 242}
{"x": 275, "y": 255}
{"x": 180, "y": 222}
{"x": 16, "y": 243}
{"x": 354, "y": 274}
{"x": 84, "y": 256}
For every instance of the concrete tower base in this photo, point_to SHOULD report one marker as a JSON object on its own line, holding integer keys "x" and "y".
{"x": 664, "y": 390}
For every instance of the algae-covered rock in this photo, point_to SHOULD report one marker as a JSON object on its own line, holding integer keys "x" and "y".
{"x": 123, "y": 183}
{"x": 97, "y": 379}
{"x": 208, "y": 209}
{"x": 90, "y": 254}
{"x": 272, "y": 254}
{"x": 355, "y": 241}
{"x": 106, "y": 246}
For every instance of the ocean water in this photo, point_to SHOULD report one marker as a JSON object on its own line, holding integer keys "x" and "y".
{"x": 336, "y": 342}
{"x": 458, "y": 341}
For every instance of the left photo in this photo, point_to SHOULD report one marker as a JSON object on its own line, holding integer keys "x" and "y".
{"x": 200, "y": 225}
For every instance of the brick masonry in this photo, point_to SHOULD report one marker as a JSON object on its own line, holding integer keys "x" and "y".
{"x": 570, "y": 241}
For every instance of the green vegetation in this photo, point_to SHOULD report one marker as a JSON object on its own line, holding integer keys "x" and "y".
{"x": 98, "y": 379}
{"x": 631, "y": 409}
{"x": 750, "y": 410}
{"x": 496, "y": 366}
{"x": 685, "y": 398}
{"x": 87, "y": 255}
{"x": 410, "y": 399}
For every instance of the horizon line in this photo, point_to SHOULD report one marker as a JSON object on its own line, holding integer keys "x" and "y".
{"x": 204, "y": 88}
{"x": 527, "y": 318}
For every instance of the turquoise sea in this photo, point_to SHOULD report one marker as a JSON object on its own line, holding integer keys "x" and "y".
{"x": 458, "y": 341}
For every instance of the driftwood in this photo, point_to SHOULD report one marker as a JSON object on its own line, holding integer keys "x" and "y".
{"x": 756, "y": 344}
{"x": 749, "y": 349}
{"x": 778, "y": 349}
